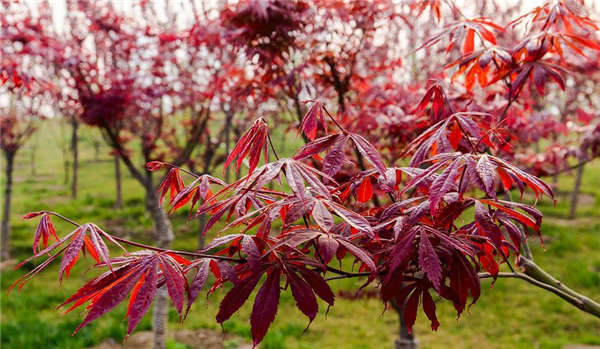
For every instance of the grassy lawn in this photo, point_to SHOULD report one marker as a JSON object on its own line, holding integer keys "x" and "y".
{"x": 510, "y": 314}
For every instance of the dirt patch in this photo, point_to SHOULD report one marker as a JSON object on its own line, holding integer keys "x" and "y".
{"x": 39, "y": 177}
{"x": 195, "y": 339}
{"x": 585, "y": 199}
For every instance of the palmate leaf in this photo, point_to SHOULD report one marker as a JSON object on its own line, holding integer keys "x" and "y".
{"x": 87, "y": 237}
{"x": 313, "y": 120}
{"x": 328, "y": 244}
{"x": 203, "y": 267}
{"x": 481, "y": 171}
{"x": 316, "y": 146}
{"x": 445, "y": 182}
{"x": 44, "y": 230}
{"x": 446, "y": 135}
{"x": 486, "y": 225}
{"x": 252, "y": 143}
{"x": 336, "y": 156}
{"x": 303, "y": 295}
{"x": 322, "y": 216}
{"x": 410, "y": 295}
{"x": 402, "y": 250}
{"x": 487, "y": 174}
{"x": 265, "y": 307}
{"x": 465, "y": 30}
{"x": 172, "y": 184}
{"x": 198, "y": 190}
{"x": 436, "y": 95}
{"x": 305, "y": 285}
{"x": 368, "y": 151}
{"x": 139, "y": 275}
{"x": 485, "y": 66}
{"x": 539, "y": 72}
{"x": 429, "y": 261}
{"x": 558, "y": 14}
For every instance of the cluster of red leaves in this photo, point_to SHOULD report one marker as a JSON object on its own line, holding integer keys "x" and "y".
{"x": 107, "y": 106}
{"x": 265, "y": 27}
{"x": 411, "y": 245}
{"x": 553, "y": 28}
{"x": 291, "y": 217}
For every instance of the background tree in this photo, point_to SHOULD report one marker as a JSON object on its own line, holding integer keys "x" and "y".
{"x": 25, "y": 89}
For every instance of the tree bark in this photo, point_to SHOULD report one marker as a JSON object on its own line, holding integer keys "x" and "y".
{"x": 575, "y": 194}
{"x": 228, "y": 119}
{"x": 96, "y": 150}
{"x": 10, "y": 160}
{"x": 32, "y": 158}
{"x": 66, "y": 167}
{"x": 406, "y": 339}
{"x": 164, "y": 236}
{"x": 75, "y": 151}
{"x": 119, "y": 199}
{"x": 536, "y": 276}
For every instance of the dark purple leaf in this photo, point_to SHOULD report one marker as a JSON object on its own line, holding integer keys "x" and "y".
{"x": 265, "y": 307}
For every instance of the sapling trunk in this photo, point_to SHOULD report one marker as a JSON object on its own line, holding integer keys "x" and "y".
{"x": 32, "y": 164}
{"x": 8, "y": 171}
{"x": 119, "y": 198}
{"x": 406, "y": 339}
{"x": 96, "y": 150}
{"x": 228, "y": 119}
{"x": 164, "y": 236}
{"x": 575, "y": 194}
{"x": 75, "y": 162}
{"x": 66, "y": 169}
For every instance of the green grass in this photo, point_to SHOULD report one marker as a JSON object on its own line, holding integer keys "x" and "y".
{"x": 511, "y": 314}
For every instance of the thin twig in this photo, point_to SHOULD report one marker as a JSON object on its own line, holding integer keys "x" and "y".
{"x": 158, "y": 249}
{"x": 182, "y": 169}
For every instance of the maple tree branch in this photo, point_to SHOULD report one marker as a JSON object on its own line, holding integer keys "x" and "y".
{"x": 197, "y": 129}
{"x": 115, "y": 144}
{"x": 157, "y": 249}
{"x": 344, "y": 274}
{"x": 536, "y": 276}
{"x": 272, "y": 146}
{"x": 573, "y": 167}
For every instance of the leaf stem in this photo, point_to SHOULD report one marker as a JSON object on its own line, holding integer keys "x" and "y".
{"x": 182, "y": 169}
{"x": 335, "y": 121}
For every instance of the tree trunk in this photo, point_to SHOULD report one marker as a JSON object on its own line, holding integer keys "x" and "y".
{"x": 32, "y": 164}
{"x": 405, "y": 340}
{"x": 75, "y": 150}
{"x": 96, "y": 150}
{"x": 164, "y": 236}
{"x": 201, "y": 237}
{"x": 119, "y": 199}
{"x": 575, "y": 194}
{"x": 228, "y": 119}
{"x": 66, "y": 168}
{"x": 10, "y": 160}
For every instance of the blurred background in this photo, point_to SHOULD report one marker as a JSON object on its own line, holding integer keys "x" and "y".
{"x": 92, "y": 90}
